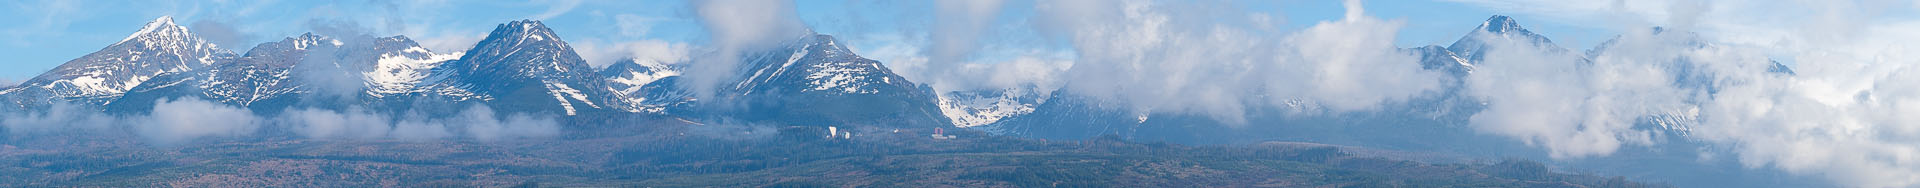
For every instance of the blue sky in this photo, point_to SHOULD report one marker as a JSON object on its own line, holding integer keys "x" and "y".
{"x": 44, "y": 34}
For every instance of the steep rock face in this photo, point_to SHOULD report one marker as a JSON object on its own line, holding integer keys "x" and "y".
{"x": 816, "y": 81}
{"x": 1434, "y": 57}
{"x": 158, "y": 48}
{"x": 523, "y": 66}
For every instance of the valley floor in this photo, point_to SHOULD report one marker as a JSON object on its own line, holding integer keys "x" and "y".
{"x": 668, "y": 154}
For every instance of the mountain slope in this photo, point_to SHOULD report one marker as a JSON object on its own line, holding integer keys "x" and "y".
{"x": 158, "y": 48}
{"x": 523, "y": 66}
{"x": 816, "y": 81}
{"x": 311, "y": 69}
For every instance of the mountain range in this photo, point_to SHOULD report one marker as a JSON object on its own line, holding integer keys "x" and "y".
{"x": 809, "y": 81}
{"x": 525, "y": 67}
{"x": 520, "y": 67}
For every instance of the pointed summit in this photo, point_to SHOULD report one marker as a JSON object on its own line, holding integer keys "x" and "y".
{"x": 523, "y": 49}
{"x": 525, "y": 60}
{"x": 1496, "y": 28}
{"x": 163, "y": 19}
{"x": 527, "y": 30}
{"x": 1501, "y": 24}
{"x": 162, "y": 26}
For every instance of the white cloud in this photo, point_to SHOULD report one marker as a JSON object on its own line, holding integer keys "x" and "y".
{"x": 175, "y": 122}
{"x": 1353, "y": 64}
{"x": 179, "y": 121}
{"x": 1037, "y": 68}
{"x": 58, "y": 117}
{"x": 481, "y": 124}
{"x": 327, "y": 124}
{"x": 736, "y": 26}
{"x": 958, "y": 25}
{"x": 1548, "y": 97}
{"x": 1846, "y": 113}
{"x": 555, "y": 8}
{"x": 634, "y": 25}
{"x": 600, "y": 55}
{"x": 1153, "y": 58}
{"x": 476, "y": 122}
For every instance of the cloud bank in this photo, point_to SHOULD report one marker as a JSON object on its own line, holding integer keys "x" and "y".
{"x": 181, "y": 121}
{"x": 1845, "y": 113}
{"x": 1193, "y": 59}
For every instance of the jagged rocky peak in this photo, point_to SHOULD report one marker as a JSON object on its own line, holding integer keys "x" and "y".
{"x": 400, "y": 45}
{"x": 520, "y": 61}
{"x": 288, "y": 51}
{"x": 818, "y": 63}
{"x": 526, "y": 29}
{"x": 525, "y": 49}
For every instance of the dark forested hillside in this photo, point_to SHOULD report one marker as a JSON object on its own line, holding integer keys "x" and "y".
{"x": 669, "y": 152}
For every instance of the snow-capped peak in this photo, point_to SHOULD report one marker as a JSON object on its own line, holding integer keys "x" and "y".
{"x": 1497, "y": 28}
{"x": 526, "y": 49}
{"x": 158, "y": 25}
{"x": 1501, "y": 24}
{"x": 526, "y": 31}
{"x": 820, "y": 64}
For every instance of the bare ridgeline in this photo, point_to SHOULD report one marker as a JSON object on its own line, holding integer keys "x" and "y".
{"x": 166, "y": 108}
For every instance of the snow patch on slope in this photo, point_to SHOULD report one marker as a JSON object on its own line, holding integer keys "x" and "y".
{"x": 566, "y": 95}
{"x": 969, "y": 109}
{"x": 635, "y": 80}
{"x": 396, "y": 73}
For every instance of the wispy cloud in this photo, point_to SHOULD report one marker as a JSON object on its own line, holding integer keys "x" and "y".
{"x": 736, "y": 26}
{"x": 635, "y": 25}
{"x": 50, "y": 18}
{"x": 555, "y": 8}
{"x": 601, "y": 54}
